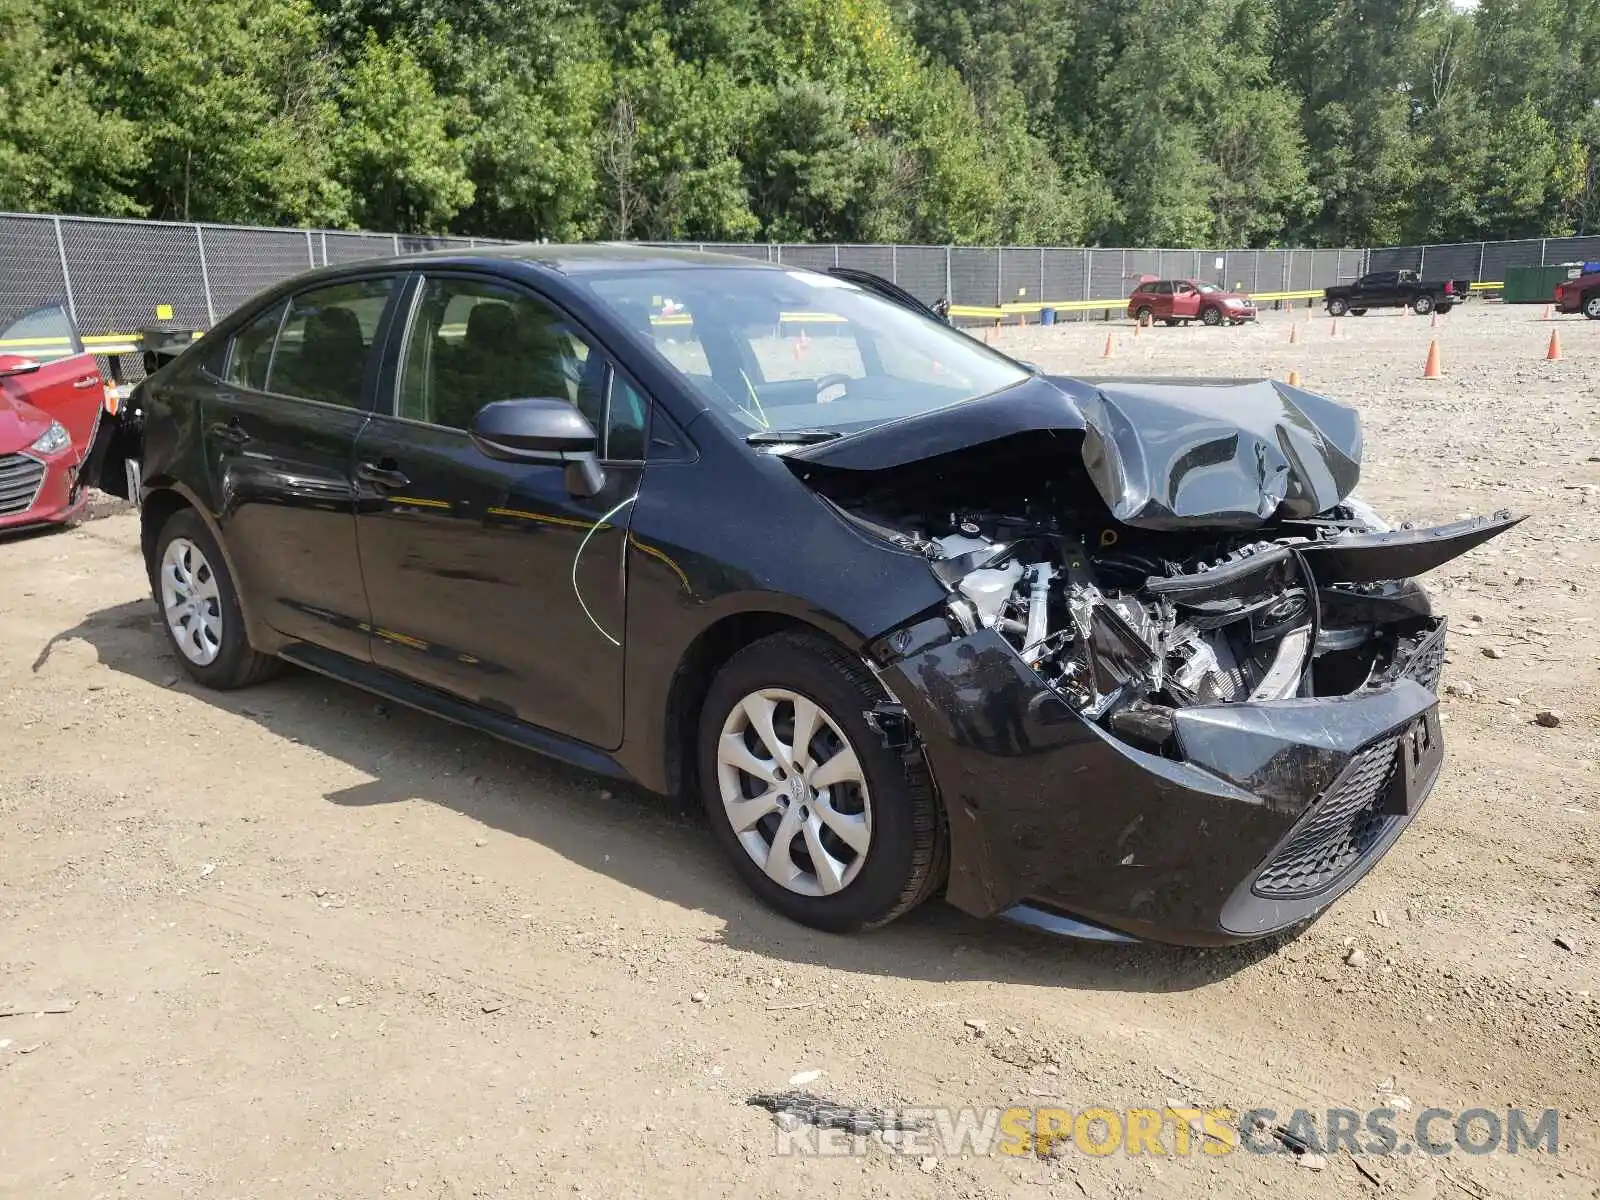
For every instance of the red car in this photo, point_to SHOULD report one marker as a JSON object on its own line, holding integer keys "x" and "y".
{"x": 1183, "y": 300}
{"x": 52, "y": 399}
{"x": 1580, "y": 295}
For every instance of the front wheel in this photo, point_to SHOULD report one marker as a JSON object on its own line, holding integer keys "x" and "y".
{"x": 1591, "y": 306}
{"x": 820, "y": 818}
{"x": 1422, "y": 305}
{"x": 200, "y": 606}
{"x": 1212, "y": 316}
{"x": 1338, "y": 306}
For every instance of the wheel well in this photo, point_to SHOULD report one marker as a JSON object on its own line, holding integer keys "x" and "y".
{"x": 698, "y": 667}
{"x": 156, "y": 511}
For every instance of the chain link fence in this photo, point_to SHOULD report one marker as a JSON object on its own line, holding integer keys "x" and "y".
{"x": 1485, "y": 260}
{"x": 122, "y": 276}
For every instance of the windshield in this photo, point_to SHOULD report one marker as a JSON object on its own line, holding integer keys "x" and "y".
{"x": 795, "y": 351}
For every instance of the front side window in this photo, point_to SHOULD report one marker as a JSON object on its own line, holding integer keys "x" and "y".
{"x": 325, "y": 341}
{"x": 473, "y": 342}
{"x": 786, "y": 350}
{"x": 44, "y": 334}
{"x": 1163, "y": 289}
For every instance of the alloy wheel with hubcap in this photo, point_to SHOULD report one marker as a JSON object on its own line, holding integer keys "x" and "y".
{"x": 191, "y": 602}
{"x": 1591, "y": 308}
{"x": 794, "y": 792}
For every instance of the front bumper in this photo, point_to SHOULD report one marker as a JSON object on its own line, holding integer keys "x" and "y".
{"x": 1270, "y": 812}
{"x": 35, "y": 490}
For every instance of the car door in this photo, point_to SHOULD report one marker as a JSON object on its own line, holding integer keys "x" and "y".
{"x": 1379, "y": 288}
{"x": 279, "y": 430}
{"x": 48, "y": 368}
{"x": 1185, "y": 300}
{"x": 1162, "y": 301}
{"x": 490, "y": 579}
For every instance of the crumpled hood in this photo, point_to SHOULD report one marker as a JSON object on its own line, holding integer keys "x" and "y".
{"x": 1162, "y": 453}
{"x": 21, "y": 424}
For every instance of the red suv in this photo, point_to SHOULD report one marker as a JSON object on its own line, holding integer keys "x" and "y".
{"x": 1185, "y": 300}
{"x": 1580, "y": 295}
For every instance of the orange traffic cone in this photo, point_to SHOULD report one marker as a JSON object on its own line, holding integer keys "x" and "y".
{"x": 1334, "y": 330}
{"x": 1546, "y": 316}
{"x": 1138, "y": 326}
{"x": 1110, "y": 349}
{"x": 1434, "y": 324}
{"x": 1294, "y": 379}
{"x": 1294, "y": 333}
{"x": 1431, "y": 370}
{"x": 1554, "y": 351}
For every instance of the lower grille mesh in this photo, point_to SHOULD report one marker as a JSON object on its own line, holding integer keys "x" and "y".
{"x": 1347, "y": 825}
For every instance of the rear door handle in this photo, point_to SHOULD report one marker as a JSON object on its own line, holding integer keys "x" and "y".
{"x": 88, "y": 381}
{"x": 384, "y": 474}
{"x": 232, "y": 432}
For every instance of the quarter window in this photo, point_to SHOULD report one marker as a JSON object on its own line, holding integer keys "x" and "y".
{"x": 251, "y": 358}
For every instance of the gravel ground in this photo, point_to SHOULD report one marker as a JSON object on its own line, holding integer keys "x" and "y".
{"x": 306, "y": 946}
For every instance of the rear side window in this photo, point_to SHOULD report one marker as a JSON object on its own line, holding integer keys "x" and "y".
{"x": 1163, "y": 289}
{"x": 251, "y": 357}
{"x": 325, "y": 341}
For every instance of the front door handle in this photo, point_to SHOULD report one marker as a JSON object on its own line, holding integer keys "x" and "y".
{"x": 384, "y": 473}
{"x": 231, "y": 432}
{"x": 88, "y": 381}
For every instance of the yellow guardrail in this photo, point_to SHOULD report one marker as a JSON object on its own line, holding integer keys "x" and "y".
{"x": 129, "y": 343}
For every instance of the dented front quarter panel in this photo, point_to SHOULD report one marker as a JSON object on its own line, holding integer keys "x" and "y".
{"x": 1045, "y": 806}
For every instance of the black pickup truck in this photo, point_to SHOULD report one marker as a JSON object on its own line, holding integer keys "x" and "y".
{"x": 1395, "y": 289}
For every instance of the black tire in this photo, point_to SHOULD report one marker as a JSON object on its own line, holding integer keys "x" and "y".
{"x": 237, "y": 664}
{"x": 1212, "y": 316}
{"x": 1144, "y": 315}
{"x": 1444, "y": 309}
{"x": 1358, "y": 312}
{"x": 1338, "y": 306}
{"x": 1422, "y": 305}
{"x": 906, "y": 858}
{"x": 1591, "y": 306}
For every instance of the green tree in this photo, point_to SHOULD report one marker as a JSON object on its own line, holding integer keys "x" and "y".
{"x": 394, "y": 154}
{"x": 58, "y": 152}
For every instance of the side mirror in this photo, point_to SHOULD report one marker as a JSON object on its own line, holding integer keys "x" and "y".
{"x": 547, "y": 429}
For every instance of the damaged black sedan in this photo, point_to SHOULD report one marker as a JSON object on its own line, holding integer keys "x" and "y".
{"x": 1117, "y": 658}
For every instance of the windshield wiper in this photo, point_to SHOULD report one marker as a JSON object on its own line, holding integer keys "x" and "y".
{"x": 792, "y": 437}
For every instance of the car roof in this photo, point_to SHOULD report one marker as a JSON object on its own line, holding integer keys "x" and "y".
{"x": 576, "y": 259}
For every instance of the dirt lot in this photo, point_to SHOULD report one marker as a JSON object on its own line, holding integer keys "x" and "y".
{"x": 307, "y": 946}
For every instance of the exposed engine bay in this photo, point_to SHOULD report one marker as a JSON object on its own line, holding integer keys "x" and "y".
{"x": 1129, "y": 624}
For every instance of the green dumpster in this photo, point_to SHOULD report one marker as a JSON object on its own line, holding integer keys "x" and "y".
{"x": 1537, "y": 285}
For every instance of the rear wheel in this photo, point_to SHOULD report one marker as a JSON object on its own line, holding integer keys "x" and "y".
{"x": 820, "y": 818}
{"x": 200, "y": 607}
{"x": 1338, "y": 306}
{"x": 1591, "y": 306}
{"x": 1422, "y": 305}
{"x": 1212, "y": 316}
{"x": 1144, "y": 315}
